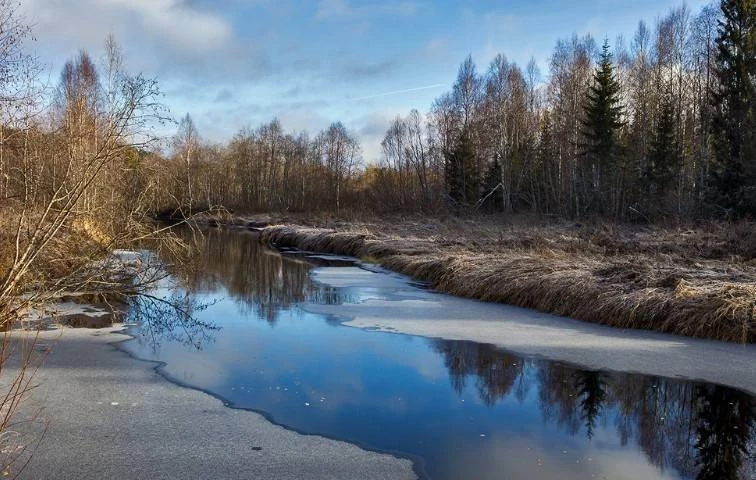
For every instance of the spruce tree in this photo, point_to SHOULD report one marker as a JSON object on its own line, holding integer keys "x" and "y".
{"x": 491, "y": 181}
{"x": 462, "y": 178}
{"x": 603, "y": 119}
{"x": 733, "y": 173}
{"x": 453, "y": 176}
{"x": 547, "y": 173}
{"x": 664, "y": 157}
{"x": 592, "y": 393}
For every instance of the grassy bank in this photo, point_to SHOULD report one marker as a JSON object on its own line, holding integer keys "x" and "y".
{"x": 698, "y": 282}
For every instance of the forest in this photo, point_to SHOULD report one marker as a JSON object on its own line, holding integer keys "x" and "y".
{"x": 657, "y": 127}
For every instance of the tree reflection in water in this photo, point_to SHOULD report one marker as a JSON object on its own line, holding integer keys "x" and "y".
{"x": 703, "y": 431}
{"x": 260, "y": 280}
{"x": 725, "y": 427}
{"x": 170, "y": 318}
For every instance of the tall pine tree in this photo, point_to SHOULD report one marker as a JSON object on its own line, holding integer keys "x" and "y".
{"x": 494, "y": 201}
{"x": 664, "y": 156}
{"x": 461, "y": 172}
{"x": 733, "y": 174}
{"x": 603, "y": 119}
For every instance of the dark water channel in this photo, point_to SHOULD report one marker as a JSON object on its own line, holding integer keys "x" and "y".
{"x": 460, "y": 410}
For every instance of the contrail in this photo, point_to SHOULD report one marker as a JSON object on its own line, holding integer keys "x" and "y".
{"x": 396, "y": 92}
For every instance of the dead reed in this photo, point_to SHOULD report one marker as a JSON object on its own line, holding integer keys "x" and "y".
{"x": 696, "y": 282}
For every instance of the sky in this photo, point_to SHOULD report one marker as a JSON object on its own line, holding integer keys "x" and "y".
{"x": 233, "y": 64}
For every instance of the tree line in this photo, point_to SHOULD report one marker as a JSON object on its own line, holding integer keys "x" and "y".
{"x": 260, "y": 169}
{"x": 657, "y": 126}
{"x": 660, "y": 126}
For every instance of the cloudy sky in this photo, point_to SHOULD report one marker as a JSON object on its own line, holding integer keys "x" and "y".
{"x": 236, "y": 63}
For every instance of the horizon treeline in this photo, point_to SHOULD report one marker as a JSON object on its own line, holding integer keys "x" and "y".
{"x": 660, "y": 125}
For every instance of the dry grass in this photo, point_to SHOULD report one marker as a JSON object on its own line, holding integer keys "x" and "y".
{"x": 74, "y": 246}
{"x": 698, "y": 282}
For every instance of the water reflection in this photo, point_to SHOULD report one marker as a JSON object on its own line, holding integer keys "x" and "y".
{"x": 462, "y": 409}
{"x": 171, "y": 316}
{"x": 725, "y": 424}
{"x": 261, "y": 281}
{"x": 680, "y": 425}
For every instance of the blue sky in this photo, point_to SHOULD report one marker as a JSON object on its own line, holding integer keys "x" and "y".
{"x": 236, "y": 63}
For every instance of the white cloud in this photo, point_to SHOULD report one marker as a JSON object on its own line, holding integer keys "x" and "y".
{"x": 437, "y": 49}
{"x": 171, "y": 22}
{"x": 176, "y": 22}
{"x": 176, "y": 41}
{"x": 228, "y": 74}
{"x": 371, "y": 129}
{"x": 302, "y": 120}
{"x": 500, "y": 22}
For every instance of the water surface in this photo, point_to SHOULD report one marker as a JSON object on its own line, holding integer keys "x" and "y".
{"x": 460, "y": 410}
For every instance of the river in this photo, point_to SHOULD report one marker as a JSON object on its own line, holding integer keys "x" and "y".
{"x": 251, "y": 330}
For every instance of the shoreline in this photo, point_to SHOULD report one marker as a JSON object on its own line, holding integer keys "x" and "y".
{"x": 159, "y": 368}
{"x": 558, "y": 271}
{"x": 124, "y": 402}
{"x": 488, "y": 331}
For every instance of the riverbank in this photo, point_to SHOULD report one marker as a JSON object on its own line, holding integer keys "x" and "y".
{"x": 102, "y": 414}
{"x": 395, "y": 305}
{"x": 697, "y": 282}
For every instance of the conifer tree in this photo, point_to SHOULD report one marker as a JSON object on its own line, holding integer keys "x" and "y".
{"x": 547, "y": 172}
{"x": 453, "y": 176}
{"x": 592, "y": 393}
{"x": 462, "y": 178}
{"x": 603, "y": 119}
{"x": 733, "y": 174}
{"x": 664, "y": 156}
{"x": 493, "y": 202}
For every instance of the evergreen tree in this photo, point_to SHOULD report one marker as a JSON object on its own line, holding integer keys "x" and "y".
{"x": 603, "y": 119}
{"x": 733, "y": 174}
{"x": 493, "y": 202}
{"x": 452, "y": 176}
{"x": 547, "y": 171}
{"x": 664, "y": 156}
{"x": 461, "y": 171}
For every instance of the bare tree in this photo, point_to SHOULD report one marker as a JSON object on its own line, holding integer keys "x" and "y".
{"x": 339, "y": 152}
{"x": 185, "y": 144}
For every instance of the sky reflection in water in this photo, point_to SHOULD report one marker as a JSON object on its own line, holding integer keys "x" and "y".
{"x": 459, "y": 409}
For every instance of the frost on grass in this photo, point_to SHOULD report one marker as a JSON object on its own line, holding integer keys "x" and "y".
{"x": 694, "y": 282}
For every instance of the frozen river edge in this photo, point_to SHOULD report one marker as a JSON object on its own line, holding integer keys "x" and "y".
{"x": 399, "y": 306}
{"x": 110, "y": 415}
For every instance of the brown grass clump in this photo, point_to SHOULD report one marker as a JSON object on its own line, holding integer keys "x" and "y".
{"x": 699, "y": 282}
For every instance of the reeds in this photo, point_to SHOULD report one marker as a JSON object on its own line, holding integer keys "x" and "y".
{"x": 698, "y": 283}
